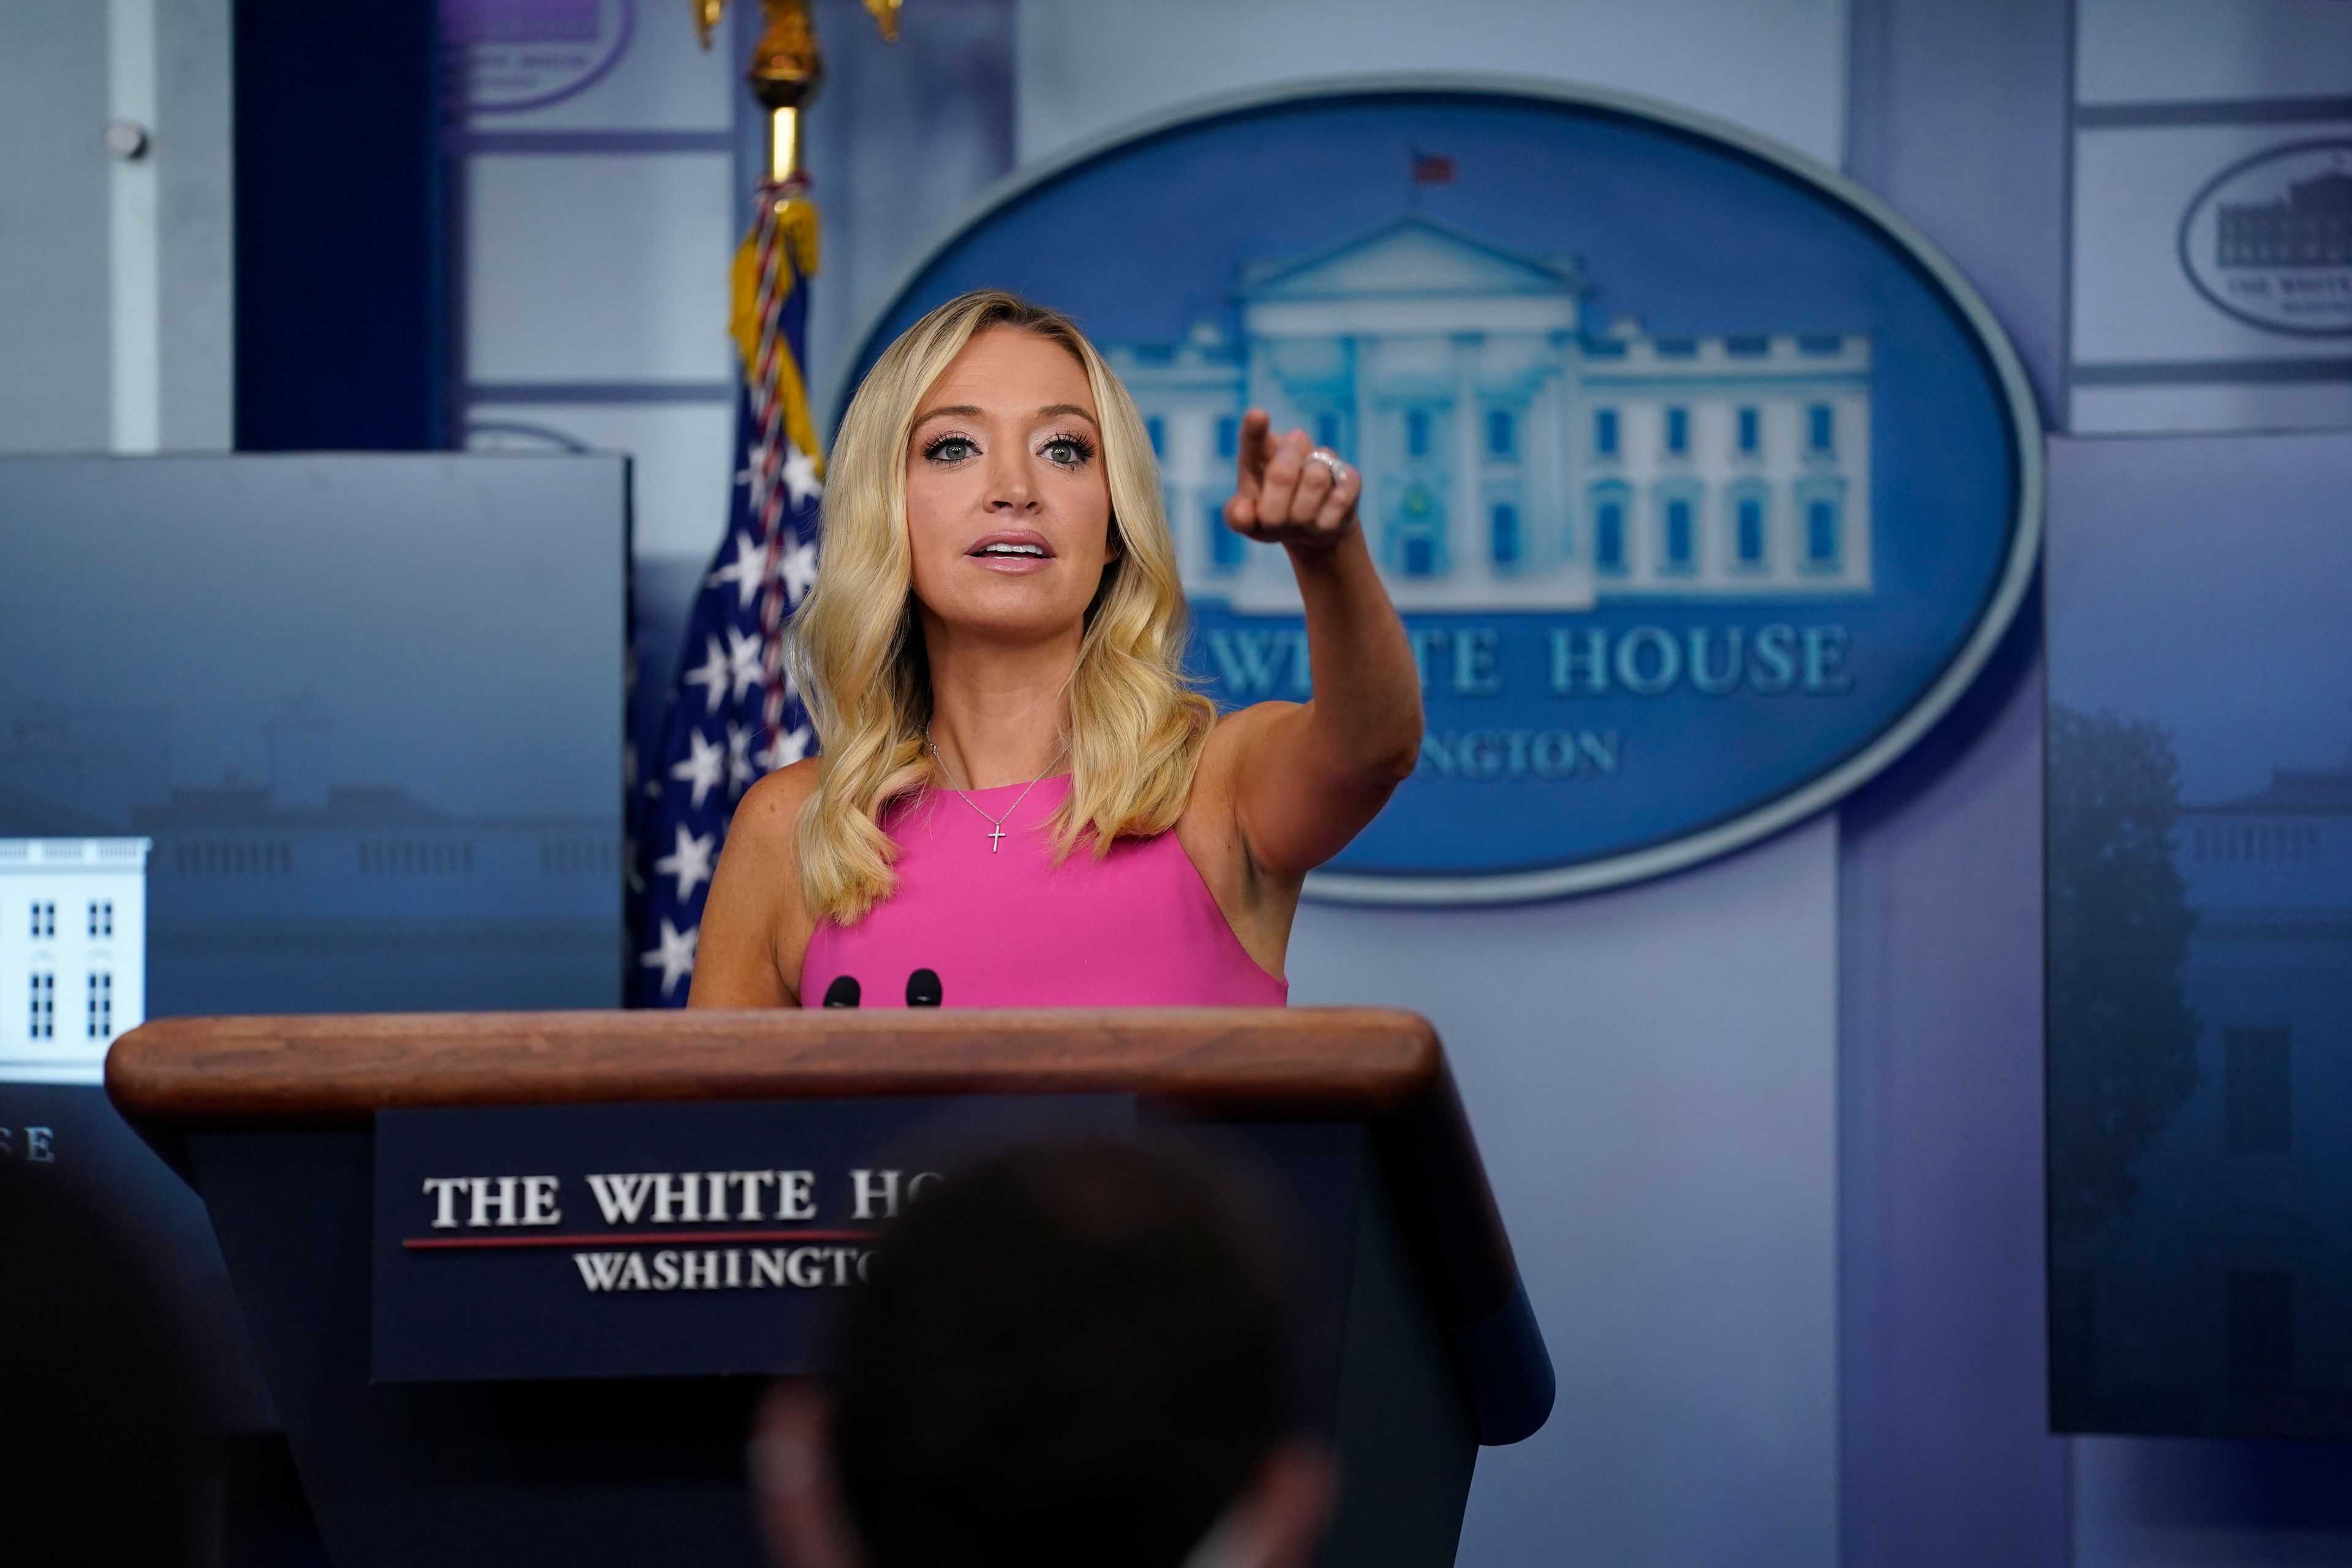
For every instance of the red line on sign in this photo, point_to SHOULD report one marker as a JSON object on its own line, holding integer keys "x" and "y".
{"x": 632, "y": 1239}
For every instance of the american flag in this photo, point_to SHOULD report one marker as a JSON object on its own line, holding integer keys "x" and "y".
{"x": 734, "y": 715}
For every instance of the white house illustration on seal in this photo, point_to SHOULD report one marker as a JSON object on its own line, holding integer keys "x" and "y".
{"x": 1512, "y": 460}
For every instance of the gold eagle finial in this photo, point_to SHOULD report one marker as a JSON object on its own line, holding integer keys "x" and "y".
{"x": 707, "y": 14}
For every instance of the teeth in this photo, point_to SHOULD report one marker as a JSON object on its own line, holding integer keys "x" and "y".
{"x": 1013, "y": 550}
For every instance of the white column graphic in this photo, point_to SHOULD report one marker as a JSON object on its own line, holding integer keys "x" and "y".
{"x": 1363, "y": 365}
{"x": 1467, "y": 538}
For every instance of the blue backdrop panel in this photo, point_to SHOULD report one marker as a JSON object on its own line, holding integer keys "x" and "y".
{"x": 368, "y": 709}
{"x": 2201, "y": 936}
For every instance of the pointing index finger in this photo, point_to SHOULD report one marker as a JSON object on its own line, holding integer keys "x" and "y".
{"x": 1287, "y": 456}
{"x": 1256, "y": 448}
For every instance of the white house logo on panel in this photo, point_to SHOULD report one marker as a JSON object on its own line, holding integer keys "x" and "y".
{"x": 1512, "y": 460}
{"x": 2270, "y": 239}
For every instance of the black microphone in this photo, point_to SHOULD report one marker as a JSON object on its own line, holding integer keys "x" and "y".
{"x": 923, "y": 988}
{"x": 843, "y": 993}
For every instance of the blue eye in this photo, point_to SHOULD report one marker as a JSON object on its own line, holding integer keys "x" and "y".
{"x": 949, "y": 450}
{"x": 1069, "y": 451}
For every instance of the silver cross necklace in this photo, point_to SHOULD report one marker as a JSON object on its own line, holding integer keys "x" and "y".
{"x": 995, "y": 824}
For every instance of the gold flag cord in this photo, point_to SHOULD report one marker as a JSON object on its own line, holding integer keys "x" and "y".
{"x": 786, "y": 70}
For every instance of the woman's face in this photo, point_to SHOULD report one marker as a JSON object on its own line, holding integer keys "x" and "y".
{"x": 1008, "y": 508}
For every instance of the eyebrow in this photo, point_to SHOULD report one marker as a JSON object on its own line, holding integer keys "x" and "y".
{"x": 973, "y": 411}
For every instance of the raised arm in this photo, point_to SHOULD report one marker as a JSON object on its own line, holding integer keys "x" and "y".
{"x": 1305, "y": 779}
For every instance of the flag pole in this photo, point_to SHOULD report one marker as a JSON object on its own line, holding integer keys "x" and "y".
{"x": 786, "y": 70}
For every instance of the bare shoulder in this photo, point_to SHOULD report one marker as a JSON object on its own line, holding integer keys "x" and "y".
{"x": 768, "y": 815}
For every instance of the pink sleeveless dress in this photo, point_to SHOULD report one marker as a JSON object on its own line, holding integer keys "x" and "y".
{"x": 1006, "y": 926}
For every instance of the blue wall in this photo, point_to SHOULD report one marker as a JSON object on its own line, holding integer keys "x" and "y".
{"x": 1956, "y": 117}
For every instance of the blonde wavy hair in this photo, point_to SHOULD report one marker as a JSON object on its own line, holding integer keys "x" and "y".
{"x": 1135, "y": 727}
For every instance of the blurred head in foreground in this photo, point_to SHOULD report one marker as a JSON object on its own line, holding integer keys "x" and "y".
{"x": 1072, "y": 1357}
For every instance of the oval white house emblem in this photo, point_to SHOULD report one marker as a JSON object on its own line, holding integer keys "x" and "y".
{"x": 1704, "y": 484}
{"x": 2269, "y": 239}
{"x": 499, "y": 56}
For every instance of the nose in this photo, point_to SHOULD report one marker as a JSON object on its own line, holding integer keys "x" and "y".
{"x": 1009, "y": 493}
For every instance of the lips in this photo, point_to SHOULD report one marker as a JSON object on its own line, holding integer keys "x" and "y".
{"x": 1011, "y": 549}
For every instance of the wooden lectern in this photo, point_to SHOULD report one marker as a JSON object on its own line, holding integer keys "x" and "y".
{"x": 1425, "y": 1349}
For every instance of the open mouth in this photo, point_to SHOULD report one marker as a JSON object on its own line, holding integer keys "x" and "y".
{"x": 1012, "y": 548}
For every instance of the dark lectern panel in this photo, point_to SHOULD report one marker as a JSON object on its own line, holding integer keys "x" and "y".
{"x": 625, "y": 1471}
{"x": 1406, "y": 1437}
{"x": 456, "y": 1475}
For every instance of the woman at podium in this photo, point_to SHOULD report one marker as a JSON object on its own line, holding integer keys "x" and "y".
{"x": 1020, "y": 802}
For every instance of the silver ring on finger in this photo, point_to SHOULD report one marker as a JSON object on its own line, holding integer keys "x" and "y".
{"x": 1329, "y": 460}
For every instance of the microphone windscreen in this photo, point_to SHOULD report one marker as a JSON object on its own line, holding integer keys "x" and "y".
{"x": 843, "y": 993}
{"x": 923, "y": 988}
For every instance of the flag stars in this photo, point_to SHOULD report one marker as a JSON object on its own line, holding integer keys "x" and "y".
{"x": 800, "y": 476}
{"x": 740, "y": 770}
{"x": 749, "y": 566}
{"x": 745, "y": 658}
{"x": 674, "y": 955}
{"x": 790, "y": 746}
{"x": 751, "y": 720}
{"x": 711, "y": 676}
{"x": 703, "y": 766}
{"x": 798, "y": 568}
{"x": 689, "y": 862}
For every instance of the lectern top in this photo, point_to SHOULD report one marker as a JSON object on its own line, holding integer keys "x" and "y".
{"x": 324, "y": 1069}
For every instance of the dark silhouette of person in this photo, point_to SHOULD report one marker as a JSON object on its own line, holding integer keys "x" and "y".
{"x": 1074, "y": 1356}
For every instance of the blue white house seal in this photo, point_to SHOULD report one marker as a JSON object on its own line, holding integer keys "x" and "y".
{"x": 1704, "y": 484}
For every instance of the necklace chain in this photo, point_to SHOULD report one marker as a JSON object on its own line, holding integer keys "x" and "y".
{"x": 995, "y": 824}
